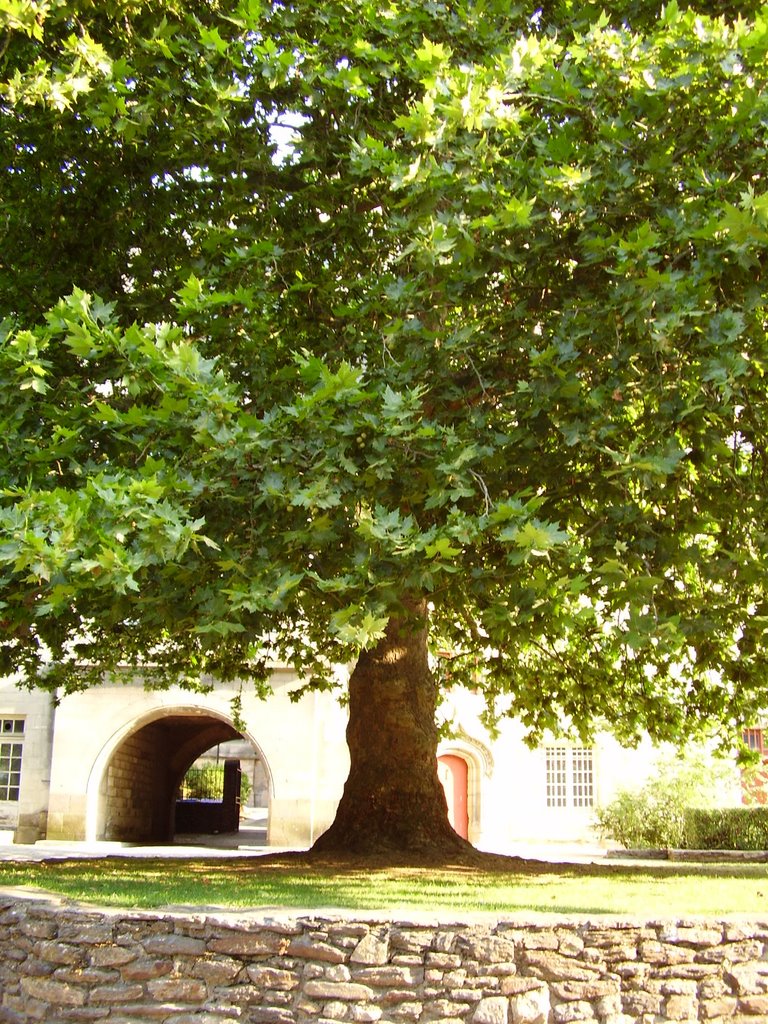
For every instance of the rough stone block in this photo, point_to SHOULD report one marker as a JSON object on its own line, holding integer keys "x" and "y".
{"x": 111, "y": 956}
{"x": 575, "y": 990}
{"x": 517, "y": 985}
{"x": 566, "y": 1013}
{"x": 530, "y": 1007}
{"x": 407, "y": 959}
{"x": 681, "y": 1007}
{"x": 468, "y": 995}
{"x": 569, "y": 943}
{"x": 180, "y": 990}
{"x": 713, "y": 988}
{"x": 407, "y": 1011}
{"x": 271, "y": 1015}
{"x": 443, "y": 961}
{"x": 492, "y": 1010}
{"x": 37, "y": 928}
{"x": 733, "y": 952}
{"x": 336, "y": 1010}
{"x": 59, "y": 993}
{"x": 272, "y": 978}
{"x": 312, "y": 949}
{"x": 455, "y": 979}
{"x": 372, "y": 949}
{"x": 91, "y": 932}
{"x": 80, "y": 1014}
{"x": 174, "y": 945}
{"x": 636, "y": 1003}
{"x": 692, "y": 935}
{"x": 442, "y": 1008}
{"x": 365, "y": 1014}
{"x": 722, "y": 1006}
{"x": 486, "y": 948}
{"x": 88, "y": 977}
{"x": 60, "y": 953}
{"x": 391, "y": 997}
{"x": 248, "y": 943}
{"x": 554, "y": 967}
{"x": 390, "y": 975}
{"x": 756, "y": 1005}
{"x": 412, "y": 940}
{"x": 321, "y": 989}
{"x": 35, "y": 968}
{"x": 218, "y": 970}
{"x": 444, "y": 942}
{"x": 337, "y": 972}
{"x": 116, "y": 993}
{"x": 749, "y": 979}
{"x": 538, "y": 939}
{"x": 666, "y": 953}
{"x": 146, "y": 969}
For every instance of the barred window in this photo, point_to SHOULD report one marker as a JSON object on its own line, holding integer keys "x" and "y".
{"x": 11, "y": 743}
{"x": 569, "y": 777}
{"x": 557, "y": 790}
{"x": 755, "y": 740}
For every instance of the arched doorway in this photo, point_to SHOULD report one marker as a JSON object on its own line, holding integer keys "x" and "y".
{"x": 132, "y": 793}
{"x": 453, "y": 773}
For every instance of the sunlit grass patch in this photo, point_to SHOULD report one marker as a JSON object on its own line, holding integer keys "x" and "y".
{"x": 249, "y": 883}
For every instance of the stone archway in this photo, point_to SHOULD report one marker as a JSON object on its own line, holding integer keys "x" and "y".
{"x": 476, "y": 762}
{"x": 132, "y": 791}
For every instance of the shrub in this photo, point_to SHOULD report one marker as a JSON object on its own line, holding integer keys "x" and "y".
{"x": 206, "y": 782}
{"x": 727, "y": 828}
{"x": 657, "y": 815}
{"x": 650, "y": 817}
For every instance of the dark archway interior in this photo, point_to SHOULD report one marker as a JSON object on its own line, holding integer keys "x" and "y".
{"x": 146, "y": 770}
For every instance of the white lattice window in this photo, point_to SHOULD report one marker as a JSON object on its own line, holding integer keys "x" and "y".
{"x": 569, "y": 777}
{"x": 557, "y": 787}
{"x": 11, "y": 744}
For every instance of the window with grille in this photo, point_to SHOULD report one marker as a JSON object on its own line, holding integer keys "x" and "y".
{"x": 569, "y": 777}
{"x": 557, "y": 790}
{"x": 755, "y": 740}
{"x": 11, "y": 743}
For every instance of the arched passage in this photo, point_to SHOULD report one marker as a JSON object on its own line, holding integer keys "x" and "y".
{"x": 132, "y": 791}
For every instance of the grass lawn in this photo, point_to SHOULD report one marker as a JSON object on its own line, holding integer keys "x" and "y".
{"x": 252, "y": 883}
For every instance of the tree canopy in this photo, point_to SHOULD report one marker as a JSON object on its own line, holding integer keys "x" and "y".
{"x": 321, "y": 317}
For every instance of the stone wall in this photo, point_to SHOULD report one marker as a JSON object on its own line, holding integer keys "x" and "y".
{"x": 60, "y": 963}
{"x": 131, "y": 786}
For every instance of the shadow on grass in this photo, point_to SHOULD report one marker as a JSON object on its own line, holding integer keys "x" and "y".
{"x": 510, "y": 886}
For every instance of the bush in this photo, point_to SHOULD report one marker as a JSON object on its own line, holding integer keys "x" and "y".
{"x": 727, "y": 828}
{"x": 651, "y": 817}
{"x": 206, "y": 782}
{"x": 658, "y": 815}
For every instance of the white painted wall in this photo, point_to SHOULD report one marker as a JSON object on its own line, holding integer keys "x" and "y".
{"x": 303, "y": 749}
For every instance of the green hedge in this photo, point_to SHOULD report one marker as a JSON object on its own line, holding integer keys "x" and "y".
{"x": 726, "y": 828}
{"x": 657, "y": 819}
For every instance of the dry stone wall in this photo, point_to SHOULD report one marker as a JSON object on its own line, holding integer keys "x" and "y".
{"x": 61, "y": 963}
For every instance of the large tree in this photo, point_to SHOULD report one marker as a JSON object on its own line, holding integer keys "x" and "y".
{"x": 428, "y": 337}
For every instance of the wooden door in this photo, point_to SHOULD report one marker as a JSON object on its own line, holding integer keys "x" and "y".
{"x": 452, "y": 772}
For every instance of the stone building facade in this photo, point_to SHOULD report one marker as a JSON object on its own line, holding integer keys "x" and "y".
{"x": 106, "y": 764}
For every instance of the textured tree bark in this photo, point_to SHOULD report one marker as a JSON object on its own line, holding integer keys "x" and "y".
{"x": 393, "y": 802}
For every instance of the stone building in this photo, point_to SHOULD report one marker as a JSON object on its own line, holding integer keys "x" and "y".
{"x": 107, "y": 764}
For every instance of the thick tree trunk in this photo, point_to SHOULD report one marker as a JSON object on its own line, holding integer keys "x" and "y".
{"x": 393, "y": 803}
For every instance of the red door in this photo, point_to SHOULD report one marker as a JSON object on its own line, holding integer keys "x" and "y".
{"x": 452, "y": 772}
